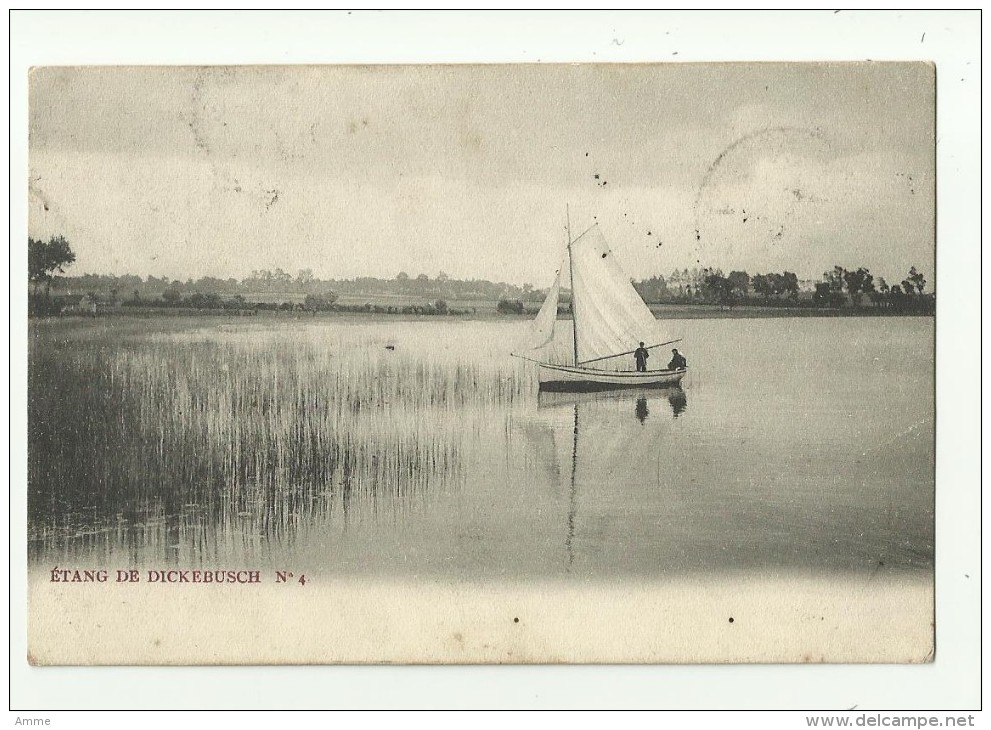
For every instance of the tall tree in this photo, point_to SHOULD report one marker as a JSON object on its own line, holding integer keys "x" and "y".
{"x": 719, "y": 288}
{"x": 858, "y": 282}
{"x": 45, "y": 258}
{"x": 789, "y": 284}
{"x": 776, "y": 283}
{"x": 762, "y": 285}
{"x": 835, "y": 278}
{"x": 916, "y": 279}
{"x": 740, "y": 282}
{"x": 173, "y": 294}
{"x": 822, "y": 294}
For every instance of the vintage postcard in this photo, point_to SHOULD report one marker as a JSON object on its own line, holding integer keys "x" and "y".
{"x": 627, "y": 363}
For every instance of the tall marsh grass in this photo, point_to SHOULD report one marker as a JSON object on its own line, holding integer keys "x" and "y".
{"x": 195, "y": 444}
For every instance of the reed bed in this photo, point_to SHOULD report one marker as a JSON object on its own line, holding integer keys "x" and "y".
{"x": 228, "y": 442}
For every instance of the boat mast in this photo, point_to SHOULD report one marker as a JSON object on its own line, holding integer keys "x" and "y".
{"x": 571, "y": 271}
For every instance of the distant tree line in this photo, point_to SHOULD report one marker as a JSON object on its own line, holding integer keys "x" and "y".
{"x": 841, "y": 285}
{"x": 839, "y": 288}
{"x": 325, "y": 302}
{"x": 304, "y": 283}
{"x": 735, "y": 288}
{"x": 701, "y": 285}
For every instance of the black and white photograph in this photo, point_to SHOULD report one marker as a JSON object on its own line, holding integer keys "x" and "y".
{"x": 531, "y": 363}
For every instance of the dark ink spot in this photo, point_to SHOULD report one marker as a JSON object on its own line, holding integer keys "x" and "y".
{"x": 648, "y": 233}
{"x": 596, "y": 177}
{"x": 731, "y": 619}
{"x": 516, "y": 620}
{"x": 603, "y": 255}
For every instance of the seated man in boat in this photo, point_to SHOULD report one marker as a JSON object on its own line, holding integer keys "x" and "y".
{"x": 678, "y": 361}
{"x": 641, "y": 356}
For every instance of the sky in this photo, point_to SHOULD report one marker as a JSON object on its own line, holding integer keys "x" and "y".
{"x": 474, "y": 170}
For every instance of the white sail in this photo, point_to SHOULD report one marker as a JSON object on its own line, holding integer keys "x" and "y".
{"x": 610, "y": 316}
{"x": 543, "y": 325}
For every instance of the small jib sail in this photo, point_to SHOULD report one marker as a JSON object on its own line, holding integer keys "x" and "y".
{"x": 543, "y": 325}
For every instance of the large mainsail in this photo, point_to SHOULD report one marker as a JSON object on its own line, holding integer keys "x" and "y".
{"x": 610, "y": 317}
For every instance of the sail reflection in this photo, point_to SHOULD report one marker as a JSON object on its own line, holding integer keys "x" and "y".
{"x": 599, "y": 450}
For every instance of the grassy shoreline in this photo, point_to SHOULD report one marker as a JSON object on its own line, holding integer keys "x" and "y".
{"x": 662, "y": 311}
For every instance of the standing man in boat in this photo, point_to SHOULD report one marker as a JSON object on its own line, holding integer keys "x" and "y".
{"x": 641, "y": 356}
{"x": 678, "y": 361}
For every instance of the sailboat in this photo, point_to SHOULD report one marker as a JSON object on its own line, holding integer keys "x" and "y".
{"x": 609, "y": 320}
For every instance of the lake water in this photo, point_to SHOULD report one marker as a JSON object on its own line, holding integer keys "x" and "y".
{"x": 423, "y": 450}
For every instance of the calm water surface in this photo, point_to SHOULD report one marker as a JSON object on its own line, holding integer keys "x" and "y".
{"x": 422, "y": 449}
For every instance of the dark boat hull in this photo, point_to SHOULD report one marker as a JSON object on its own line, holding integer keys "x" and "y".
{"x": 577, "y": 379}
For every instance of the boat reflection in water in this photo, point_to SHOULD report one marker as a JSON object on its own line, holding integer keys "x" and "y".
{"x": 678, "y": 400}
{"x": 640, "y": 398}
{"x": 642, "y": 409}
{"x": 602, "y": 454}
